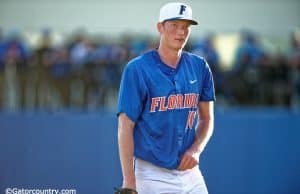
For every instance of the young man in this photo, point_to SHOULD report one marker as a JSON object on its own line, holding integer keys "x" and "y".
{"x": 165, "y": 112}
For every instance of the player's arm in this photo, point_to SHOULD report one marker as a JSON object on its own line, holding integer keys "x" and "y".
{"x": 126, "y": 145}
{"x": 204, "y": 130}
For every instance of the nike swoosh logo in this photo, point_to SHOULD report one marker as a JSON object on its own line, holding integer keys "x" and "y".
{"x": 193, "y": 81}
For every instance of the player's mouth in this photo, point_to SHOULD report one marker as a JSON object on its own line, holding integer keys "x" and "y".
{"x": 181, "y": 40}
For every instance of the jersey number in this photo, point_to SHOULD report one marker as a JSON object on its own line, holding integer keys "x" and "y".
{"x": 190, "y": 120}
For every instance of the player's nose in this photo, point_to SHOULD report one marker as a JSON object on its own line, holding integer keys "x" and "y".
{"x": 180, "y": 31}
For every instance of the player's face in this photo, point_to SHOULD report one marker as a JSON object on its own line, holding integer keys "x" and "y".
{"x": 175, "y": 33}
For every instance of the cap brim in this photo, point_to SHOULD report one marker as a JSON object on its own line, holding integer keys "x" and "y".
{"x": 193, "y": 22}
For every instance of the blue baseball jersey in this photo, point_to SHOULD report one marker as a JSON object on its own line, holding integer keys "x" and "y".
{"x": 162, "y": 101}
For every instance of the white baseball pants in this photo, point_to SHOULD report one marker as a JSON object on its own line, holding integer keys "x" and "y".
{"x": 151, "y": 179}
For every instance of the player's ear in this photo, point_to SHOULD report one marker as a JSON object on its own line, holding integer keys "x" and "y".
{"x": 159, "y": 27}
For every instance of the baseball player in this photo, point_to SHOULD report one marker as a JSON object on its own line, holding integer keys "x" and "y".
{"x": 165, "y": 112}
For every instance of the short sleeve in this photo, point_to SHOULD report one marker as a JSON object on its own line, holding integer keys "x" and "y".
{"x": 131, "y": 93}
{"x": 208, "y": 90}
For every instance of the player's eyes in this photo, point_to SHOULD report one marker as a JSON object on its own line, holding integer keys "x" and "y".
{"x": 186, "y": 27}
{"x": 174, "y": 25}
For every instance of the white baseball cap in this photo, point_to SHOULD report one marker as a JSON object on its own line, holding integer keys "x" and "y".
{"x": 176, "y": 11}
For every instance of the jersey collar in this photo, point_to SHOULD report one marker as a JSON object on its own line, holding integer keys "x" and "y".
{"x": 164, "y": 67}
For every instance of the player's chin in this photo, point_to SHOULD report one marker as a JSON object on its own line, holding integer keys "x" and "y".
{"x": 178, "y": 46}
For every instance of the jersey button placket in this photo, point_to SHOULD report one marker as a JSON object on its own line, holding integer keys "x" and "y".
{"x": 176, "y": 83}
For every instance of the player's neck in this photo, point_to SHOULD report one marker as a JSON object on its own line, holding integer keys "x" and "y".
{"x": 168, "y": 56}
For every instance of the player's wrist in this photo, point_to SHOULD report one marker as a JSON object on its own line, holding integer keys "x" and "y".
{"x": 196, "y": 148}
{"x": 129, "y": 182}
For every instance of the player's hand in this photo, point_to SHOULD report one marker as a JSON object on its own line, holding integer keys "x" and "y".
{"x": 189, "y": 160}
